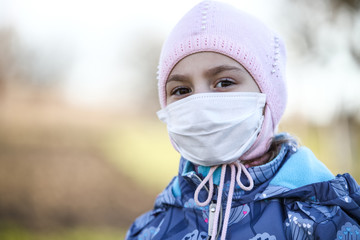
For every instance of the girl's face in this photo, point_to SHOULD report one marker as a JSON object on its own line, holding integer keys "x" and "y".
{"x": 207, "y": 72}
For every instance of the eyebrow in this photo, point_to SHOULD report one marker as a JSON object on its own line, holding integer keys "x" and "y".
{"x": 222, "y": 68}
{"x": 210, "y": 72}
{"x": 176, "y": 78}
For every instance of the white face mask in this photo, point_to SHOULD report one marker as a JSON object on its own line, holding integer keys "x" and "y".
{"x": 214, "y": 128}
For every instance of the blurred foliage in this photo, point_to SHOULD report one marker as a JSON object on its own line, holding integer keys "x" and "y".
{"x": 54, "y": 171}
{"x": 73, "y": 169}
{"x": 68, "y": 168}
{"x": 142, "y": 60}
{"x": 336, "y": 144}
{"x": 309, "y": 20}
{"x": 142, "y": 150}
{"x": 22, "y": 64}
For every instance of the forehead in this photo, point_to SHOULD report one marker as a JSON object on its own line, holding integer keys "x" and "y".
{"x": 203, "y": 60}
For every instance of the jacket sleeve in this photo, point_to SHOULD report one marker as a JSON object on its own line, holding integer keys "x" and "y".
{"x": 146, "y": 226}
{"x": 340, "y": 227}
{"x": 345, "y": 223}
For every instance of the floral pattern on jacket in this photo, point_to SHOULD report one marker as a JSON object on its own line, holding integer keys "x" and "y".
{"x": 295, "y": 197}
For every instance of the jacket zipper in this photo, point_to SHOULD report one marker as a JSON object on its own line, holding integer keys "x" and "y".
{"x": 212, "y": 210}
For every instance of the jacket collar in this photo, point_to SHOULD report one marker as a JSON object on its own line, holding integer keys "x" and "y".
{"x": 260, "y": 174}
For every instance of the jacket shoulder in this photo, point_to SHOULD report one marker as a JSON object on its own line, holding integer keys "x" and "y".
{"x": 326, "y": 209}
{"x": 148, "y": 225}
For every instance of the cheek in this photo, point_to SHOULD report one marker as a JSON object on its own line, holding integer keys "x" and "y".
{"x": 167, "y": 91}
{"x": 256, "y": 89}
{"x": 247, "y": 87}
{"x": 252, "y": 85}
{"x": 168, "y": 101}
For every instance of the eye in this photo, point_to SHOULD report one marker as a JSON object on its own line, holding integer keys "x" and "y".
{"x": 178, "y": 91}
{"x": 225, "y": 82}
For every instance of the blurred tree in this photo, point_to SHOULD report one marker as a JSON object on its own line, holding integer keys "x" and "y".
{"x": 309, "y": 20}
{"x": 7, "y": 59}
{"x": 143, "y": 59}
{"x": 325, "y": 34}
{"x": 29, "y": 67}
{"x": 352, "y": 9}
{"x": 319, "y": 31}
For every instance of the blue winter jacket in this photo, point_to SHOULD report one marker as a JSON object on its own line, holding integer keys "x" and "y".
{"x": 295, "y": 197}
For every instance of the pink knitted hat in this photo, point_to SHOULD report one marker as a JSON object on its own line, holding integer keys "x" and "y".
{"x": 219, "y": 27}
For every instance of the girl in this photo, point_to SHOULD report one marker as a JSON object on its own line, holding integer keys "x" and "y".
{"x": 222, "y": 90}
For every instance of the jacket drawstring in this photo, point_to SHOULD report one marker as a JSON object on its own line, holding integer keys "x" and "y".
{"x": 209, "y": 178}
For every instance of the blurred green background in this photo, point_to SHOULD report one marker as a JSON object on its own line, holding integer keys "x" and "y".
{"x": 82, "y": 153}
